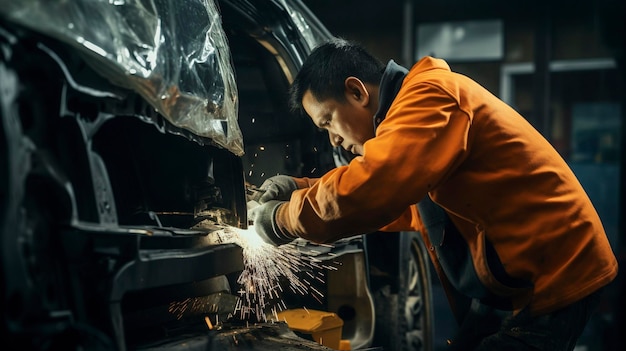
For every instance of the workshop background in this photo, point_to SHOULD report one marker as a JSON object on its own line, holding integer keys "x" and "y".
{"x": 560, "y": 63}
{"x": 123, "y": 227}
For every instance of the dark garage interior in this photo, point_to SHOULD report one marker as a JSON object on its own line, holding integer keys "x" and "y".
{"x": 122, "y": 217}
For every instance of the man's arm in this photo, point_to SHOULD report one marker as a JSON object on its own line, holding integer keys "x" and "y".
{"x": 420, "y": 144}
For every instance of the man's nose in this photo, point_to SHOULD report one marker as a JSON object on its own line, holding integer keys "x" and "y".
{"x": 335, "y": 139}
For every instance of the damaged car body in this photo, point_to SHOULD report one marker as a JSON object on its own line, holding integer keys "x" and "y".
{"x": 128, "y": 133}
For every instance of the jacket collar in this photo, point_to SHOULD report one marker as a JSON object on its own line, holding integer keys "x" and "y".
{"x": 389, "y": 86}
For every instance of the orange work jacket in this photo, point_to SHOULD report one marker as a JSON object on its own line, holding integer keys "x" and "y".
{"x": 498, "y": 179}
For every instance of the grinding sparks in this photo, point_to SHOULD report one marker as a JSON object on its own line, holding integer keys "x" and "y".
{"x": 207, "y": 320}
{"x": 252, "y": 240}
{"x": 268, "y": 272}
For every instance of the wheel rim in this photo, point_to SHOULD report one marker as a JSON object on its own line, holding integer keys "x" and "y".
{"x": 417, "y": 311}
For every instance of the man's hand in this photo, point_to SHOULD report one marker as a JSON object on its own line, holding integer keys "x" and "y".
{"x": 277, "y": 187}
{"x": 264, "y": 217}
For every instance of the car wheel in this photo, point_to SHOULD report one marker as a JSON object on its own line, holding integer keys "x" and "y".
{"x": 403, "y": 298}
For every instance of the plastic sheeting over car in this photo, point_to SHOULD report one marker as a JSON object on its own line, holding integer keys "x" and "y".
{"x": 174, "y": 53}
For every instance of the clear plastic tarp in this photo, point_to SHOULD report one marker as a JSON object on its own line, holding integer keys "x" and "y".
{"x": 172, "y": 52}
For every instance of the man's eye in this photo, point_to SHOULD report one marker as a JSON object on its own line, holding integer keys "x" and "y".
{"x": 324, "y": 124}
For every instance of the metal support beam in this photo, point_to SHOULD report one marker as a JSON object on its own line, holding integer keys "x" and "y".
{"x": 541, "y": 118}
{"x": 408, "y": 34}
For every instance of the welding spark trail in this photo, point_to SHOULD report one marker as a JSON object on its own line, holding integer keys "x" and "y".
{"x": 266, "y": 269}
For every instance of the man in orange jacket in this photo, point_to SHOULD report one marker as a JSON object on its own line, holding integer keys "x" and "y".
{"x": 506, "y": 221}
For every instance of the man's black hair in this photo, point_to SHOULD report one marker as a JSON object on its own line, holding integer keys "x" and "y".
{"x": 327, "y": 67}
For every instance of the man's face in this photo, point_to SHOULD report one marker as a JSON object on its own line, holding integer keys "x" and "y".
{"x": 349, "y": 124}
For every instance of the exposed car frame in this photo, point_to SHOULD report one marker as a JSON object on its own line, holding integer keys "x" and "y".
{"x": 101, "y": 195}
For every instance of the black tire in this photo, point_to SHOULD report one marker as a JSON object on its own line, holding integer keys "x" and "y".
{"x": 403, "y": 302}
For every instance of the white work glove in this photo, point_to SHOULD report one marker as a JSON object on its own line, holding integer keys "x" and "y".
{"x": 264, "y": 218}
{"x": 277, "y": 187}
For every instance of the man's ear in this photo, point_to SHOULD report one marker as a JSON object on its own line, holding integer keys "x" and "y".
{"x": 356, "y": 91}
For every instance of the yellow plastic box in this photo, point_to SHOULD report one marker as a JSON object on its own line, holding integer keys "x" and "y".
{"x": 324, "y": 327}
